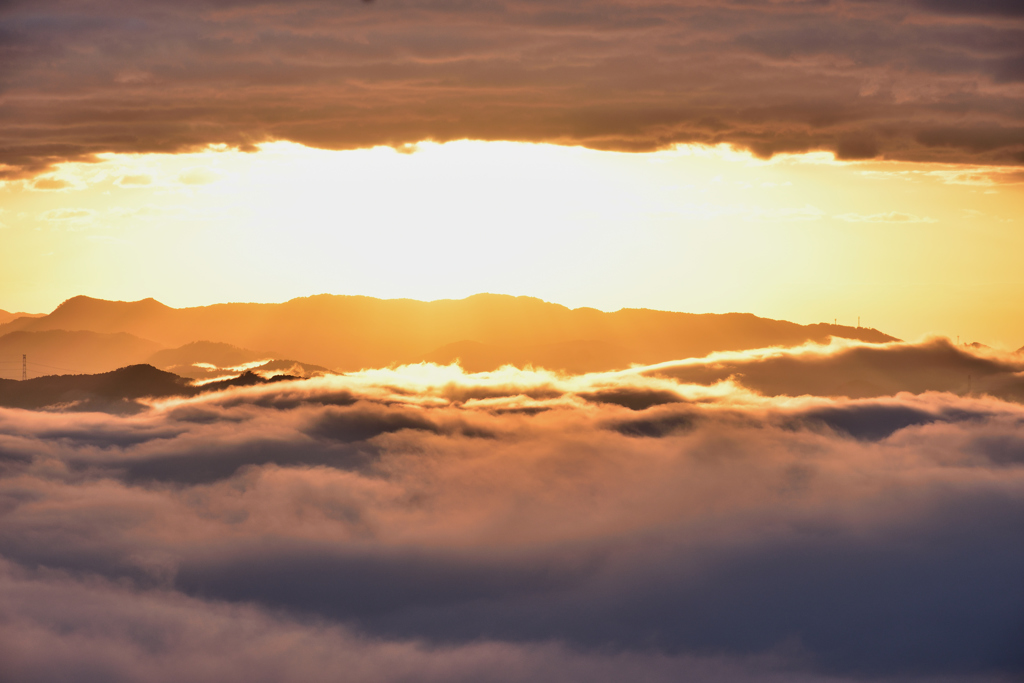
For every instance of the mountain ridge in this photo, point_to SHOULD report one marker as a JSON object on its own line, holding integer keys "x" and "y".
{"x": 76, "y": 351}
{"x": 116, "y": 391}
{"x": 347, "y": 333}
{"x": 8, "y": 316}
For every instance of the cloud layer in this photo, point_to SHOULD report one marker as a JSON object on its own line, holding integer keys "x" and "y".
{"x": 424, "y": 524}
{"x": 919, "y": 80}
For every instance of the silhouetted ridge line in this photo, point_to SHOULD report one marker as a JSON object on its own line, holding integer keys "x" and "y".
{"x": 116, "y": 391}
{"x": 122, "y": 385}
{"x": 215, "y": 353}
{"x": 7, "y": 316}
{"x": 484, "y": 331}
{"x": 79, "y": 351}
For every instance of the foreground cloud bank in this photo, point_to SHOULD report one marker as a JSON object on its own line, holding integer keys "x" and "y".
{"x": 425, "y": 524}
{"x": 917, "y": 79}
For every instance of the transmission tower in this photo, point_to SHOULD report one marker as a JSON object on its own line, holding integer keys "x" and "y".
{"x": 24, "y": 367}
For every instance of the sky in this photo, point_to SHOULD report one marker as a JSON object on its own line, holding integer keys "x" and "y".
{"x": 910, "y": 249}
{"x": 739, "y": 518}
{"x": 811, "y": 161}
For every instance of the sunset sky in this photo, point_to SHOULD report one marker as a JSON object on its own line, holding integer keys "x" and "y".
{"x": 359, "y": 437}
{"x": 808, "y": 161}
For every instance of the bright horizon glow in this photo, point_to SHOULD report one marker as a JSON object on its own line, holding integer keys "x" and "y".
{"x": 910, "y": 248}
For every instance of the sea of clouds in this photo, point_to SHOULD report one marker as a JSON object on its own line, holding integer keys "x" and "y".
{"x": 423, "y": 524}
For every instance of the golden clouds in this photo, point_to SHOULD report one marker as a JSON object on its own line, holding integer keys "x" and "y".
{"x": 519, "y": 516}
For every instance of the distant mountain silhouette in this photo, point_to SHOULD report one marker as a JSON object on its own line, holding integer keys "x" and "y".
{"x": 80, "y": 351}
{"x": 214, "y": 353}
{"x": 112, "y": 392}
{"x": 347, "y": 333}
{"x": 855, "y": 372}
{"x": 205, "y": 360}
{"x": 98, "y": 315}
{"x": 6, "y": 317}
{"x": 289, "y": 368}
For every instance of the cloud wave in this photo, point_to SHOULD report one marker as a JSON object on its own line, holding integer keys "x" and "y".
{"x": 422, "y": 523}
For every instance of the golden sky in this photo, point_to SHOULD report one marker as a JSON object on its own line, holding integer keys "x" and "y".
{"x": 806, "y": 160}
{"x": 837, "y": 511}
{"x": 910, "y": 248}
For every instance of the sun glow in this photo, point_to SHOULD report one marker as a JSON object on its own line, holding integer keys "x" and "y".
{"x": 910, "y": 248}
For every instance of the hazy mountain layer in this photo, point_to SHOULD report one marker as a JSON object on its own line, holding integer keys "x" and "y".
{"x": 348, "y": 333}
{"x": 846, "y": 370}
{"x": 213, "y": 353}
{"x": 112, "y": 392}
{"x": 58, "y": 351}
{"x": 205, "y": 360}
{"x": 6, "y": 317}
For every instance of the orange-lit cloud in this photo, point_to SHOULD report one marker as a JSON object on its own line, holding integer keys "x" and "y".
{"x": 555, "y": 524}
{"x": 917, "y": 80}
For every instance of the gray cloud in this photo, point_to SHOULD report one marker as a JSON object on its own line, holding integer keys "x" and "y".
{"x": 56, "y": 628}
{"x": 515, "y": 526}
{"x": 928, "y": 80}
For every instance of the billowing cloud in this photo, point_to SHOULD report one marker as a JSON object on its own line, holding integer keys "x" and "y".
{"x": 911, "y": 80}
{"x": 860, "y": 370}
{"x": 421, "y": 523}
{"x": 54, "y": 623}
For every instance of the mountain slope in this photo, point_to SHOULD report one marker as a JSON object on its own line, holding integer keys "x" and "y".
{"x": 60, "y": 351}
{"x": 116, "y": 391}
{"x": 218, "y": 354}
{"x": 204, "y": 360}
{"x": 347, "y": 333}
{"x": 6, "y": 317}
{"x": 110, "y": 391}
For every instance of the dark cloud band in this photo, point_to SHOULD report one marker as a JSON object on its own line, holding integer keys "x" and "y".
{"x": 923, "y": 80}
